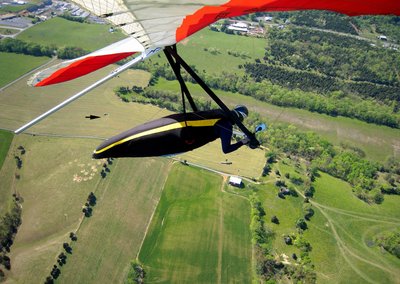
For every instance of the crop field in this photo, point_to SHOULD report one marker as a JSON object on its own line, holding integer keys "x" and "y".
{"x": 55, "y": 180}
{"x": 199, "y": 233}
{"x": 15, "y": 65}
{"x": 87, "y": 36}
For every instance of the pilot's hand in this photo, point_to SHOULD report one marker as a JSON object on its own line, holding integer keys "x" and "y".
{"x": 245, "y": 141}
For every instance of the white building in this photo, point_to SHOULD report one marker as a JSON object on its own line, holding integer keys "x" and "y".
{"x": 239, "y": 27}
{"x": 235, "y": 181}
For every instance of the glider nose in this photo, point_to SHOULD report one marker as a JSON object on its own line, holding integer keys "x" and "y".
{"x": 97, "y": 155}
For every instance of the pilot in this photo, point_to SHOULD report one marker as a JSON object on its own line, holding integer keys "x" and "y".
{"x": 174, "y": 134}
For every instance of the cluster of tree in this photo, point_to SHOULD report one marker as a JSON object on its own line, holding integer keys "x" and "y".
{"x": 320, "y": 19}
{"x": 90, "y": 203}
{"x": 309, "y": 81}
{"x": 70, "y": 52}
{"x": 390, "y": 241}
{"x": 332, "y": 55}
{"x": 30, "y": 48}
{"x": 388, "y": 25}
{"x": 241, "y": 54}
{"x": 9, "y": 224}
{"x": 105, "y": 170}
{"x": 136, "y": 273}
{"x": 267, "y": 268}
{"x": 342, "y": 163}
{"x": 61, "y": 260}
{"x": 212, "y": 50}
{"x": 308, "y": 211}
{"x": 39, "y": 5}
{"x": 163, "y": 99}
{"x": 69, "y": 17}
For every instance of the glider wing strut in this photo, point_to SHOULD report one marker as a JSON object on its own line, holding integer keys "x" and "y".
{"x": 114, "y": 73}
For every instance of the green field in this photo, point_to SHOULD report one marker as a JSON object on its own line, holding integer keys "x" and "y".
{"x": 5, "y": 142}
{"x": 13, "y": 65}
{"x": 193, "y": 51}
{"x": 55, "y": 180}
{"x": 199, "y": 234}
{"x": 87, "y": 36}
{"x": 8, "y": 31}
{"x": 340, "y": 232}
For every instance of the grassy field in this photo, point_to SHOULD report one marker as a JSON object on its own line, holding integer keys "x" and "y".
{"x": 20, "y": 103}
{"x": 55, "y": 180}
{"x": 87, "y": 36}
{"x": 216, "y": 59}
{"x": 199, "y": 234}
{"x": 13, "y": 65}
{"x": 8, "y": 31}
{"x": 340, "y": 232}
{"x": 5, "y": 142}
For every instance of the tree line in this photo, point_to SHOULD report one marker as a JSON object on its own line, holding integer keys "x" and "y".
{"x": 9, "y": 224}
{"x": 161, "y": 98}
{"x": 34, "y": 49}
{"x": 282, "y": 91}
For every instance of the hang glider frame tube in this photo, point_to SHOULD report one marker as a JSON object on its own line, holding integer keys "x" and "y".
{"x": 176, "y": 67}
{"x": 114, "y": 73}
{"x": 171, "y": 51}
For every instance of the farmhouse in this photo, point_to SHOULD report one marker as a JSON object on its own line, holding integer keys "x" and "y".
{"x": 239, "y": 27}
{"x": 235, "y": 181}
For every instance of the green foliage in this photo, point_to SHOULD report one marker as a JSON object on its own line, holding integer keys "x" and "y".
{"x": 9, "y": 224}
{"x": 136, "y": 273}
{"x": 69, "y": 17}
{"x": 28, "y": 48}
{"x": 164, "y": 99}
{"x": 390, "y": 241}
{"x": 70, "y": 52}
{"x": 350, "y": 167}
{"x": 309, "y": 81}
{"x": 265, "y": 265}
{"x": 301, "y": 224}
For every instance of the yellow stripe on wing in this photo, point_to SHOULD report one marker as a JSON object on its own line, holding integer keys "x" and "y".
{"x": 193, "y": 123}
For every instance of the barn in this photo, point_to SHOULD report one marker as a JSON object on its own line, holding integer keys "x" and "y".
{"x": 235, "y": 181}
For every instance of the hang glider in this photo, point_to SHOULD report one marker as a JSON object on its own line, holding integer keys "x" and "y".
{"x": 154, "y": 25}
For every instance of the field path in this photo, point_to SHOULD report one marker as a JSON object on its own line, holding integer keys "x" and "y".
{"x": 221, "y": 232}
{"x": 363, "y": 216}
{"x": 345, "y": 251}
